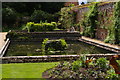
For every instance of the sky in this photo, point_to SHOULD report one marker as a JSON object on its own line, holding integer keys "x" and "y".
{"x": 80, "y": 1}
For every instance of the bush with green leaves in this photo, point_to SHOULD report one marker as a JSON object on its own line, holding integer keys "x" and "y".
{"x": 79, "y": 63}
{"x": 42, "y": 15}
{"x": 67, "y": 18}
{"x": 53, "y": 45}
{"x": 90, "y": 22}
{"x": 102, "y": 63}
{"x": 79, "y": 69}
{"x": 42, "y": 26}
{"x": 9, "y": 16}
{"x": 114, "y": 32}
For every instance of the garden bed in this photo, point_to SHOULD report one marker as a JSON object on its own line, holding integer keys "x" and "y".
{"x": 96, "y": 69}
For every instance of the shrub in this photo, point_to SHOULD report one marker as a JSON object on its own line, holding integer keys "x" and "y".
{"x": 113, "y": 36}
{"x": 11, "y": 35}
{"x": 28, "y": 26}
{"x": 67, "y": 18}
{"x": 79, "y": 63}
{"x": 76, "y": 65}
{"x": 36, "y": 27}
{"x": 41, "y": 15}
{"x": 90, "y": 22}
{"x": 53, "y": 45}
{"x": 8, "y": 16}
{"x": 100, "y": 69}
{"x": 102, "y": 63}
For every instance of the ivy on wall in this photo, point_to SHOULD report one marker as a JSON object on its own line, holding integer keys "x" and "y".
{"x": 117, "y": 23}
{"x": 90, "y": 22}
{"x": 67, "y": 18}
{"x": 114, "y": 32}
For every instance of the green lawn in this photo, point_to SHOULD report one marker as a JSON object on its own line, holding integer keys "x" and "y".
{"x": 26, "y": 70}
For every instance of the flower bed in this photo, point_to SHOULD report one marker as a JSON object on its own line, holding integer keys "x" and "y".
{"x": 84, "y": 69}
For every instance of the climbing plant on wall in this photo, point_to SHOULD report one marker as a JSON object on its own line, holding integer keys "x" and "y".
{"x": 117, "y": 22}
{"x": 114, "y": 32}
{"x": 90, "y": 22}
{"x": 67, "y": 18}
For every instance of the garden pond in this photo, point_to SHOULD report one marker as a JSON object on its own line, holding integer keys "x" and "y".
{"x": 34, "y": 49}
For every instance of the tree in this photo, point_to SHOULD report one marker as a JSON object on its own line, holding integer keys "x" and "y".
{"x": 8, "y": 16}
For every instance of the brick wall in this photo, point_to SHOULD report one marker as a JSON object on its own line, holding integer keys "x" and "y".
{"x": 104, "y": 18}
{"x": 68, "y": 3}
{"x": 101, "y": 34}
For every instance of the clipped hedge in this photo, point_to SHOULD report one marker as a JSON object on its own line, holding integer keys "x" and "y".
{"x": 37, "y": 27}
{"x": 53, "y": 46}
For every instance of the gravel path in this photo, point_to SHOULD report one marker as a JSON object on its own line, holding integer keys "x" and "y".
{"x": 2, "y": 37}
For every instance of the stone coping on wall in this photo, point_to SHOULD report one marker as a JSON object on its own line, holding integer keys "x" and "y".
{"x": 89, "y": 4}
{"x": 55, "y": 31}
{"x": 100, "y": 44}
{"x": 51, "y": 58}
{"x": 38, "y": 36}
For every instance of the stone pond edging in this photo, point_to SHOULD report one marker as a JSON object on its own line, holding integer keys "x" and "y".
{"x": 49, "y": 58}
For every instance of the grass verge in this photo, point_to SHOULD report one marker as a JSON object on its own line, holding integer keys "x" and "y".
{"x": 26, "y": 70}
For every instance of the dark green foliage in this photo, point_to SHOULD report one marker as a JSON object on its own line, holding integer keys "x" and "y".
{"x": 90, "y": 22}
{"x": 53, "y": 45}
{"x": 97, "y": 69}
{"x": 51, "y": 7}
{"x": 114, "y": 32}
{"x": 117, "y": 23}
{"x": 102, "y": 63}
{"x": 9, "y": 16}
{"x": 41, "y": 15}
{"x": 67, "y": 18}
{"x": 11, "y": 35}
{"x": 25, "y": 8}
{"x": 79, "y": 63}
{"x": 28, "y": 8}
{"x": 42, "y": 26}
{"x": 16, "y": 14}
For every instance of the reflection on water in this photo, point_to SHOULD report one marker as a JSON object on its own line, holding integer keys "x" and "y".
{"x": 34, "y": 48}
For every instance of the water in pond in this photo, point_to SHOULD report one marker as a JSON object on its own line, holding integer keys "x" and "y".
{"x": 34, "y": 48}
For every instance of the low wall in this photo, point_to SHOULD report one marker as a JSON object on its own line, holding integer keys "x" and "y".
{"x": 113, "y": 49}
{"x": 50, "y": 58}
{"x": 38, "y": 36}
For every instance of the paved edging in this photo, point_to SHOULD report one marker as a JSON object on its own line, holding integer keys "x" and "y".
{"x": 4, "y": 48}
{"x": 2, "y": 38}
{"x": 49, "y": 58}
{"x": 100, "y": 44}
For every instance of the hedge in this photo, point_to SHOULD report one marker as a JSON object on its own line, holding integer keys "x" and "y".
{"x": 37, "y": 27}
